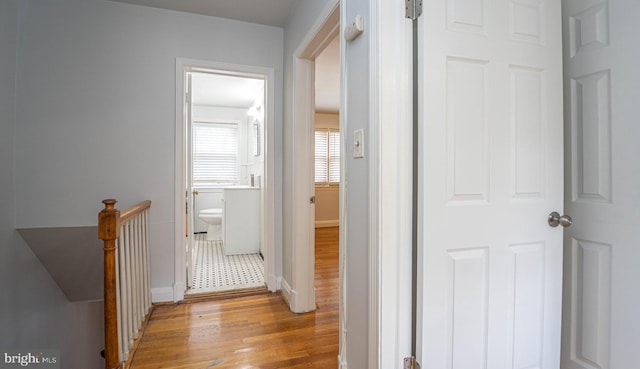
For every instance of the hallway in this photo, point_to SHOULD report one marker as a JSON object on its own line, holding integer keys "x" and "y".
{"x": 252, "y": 331}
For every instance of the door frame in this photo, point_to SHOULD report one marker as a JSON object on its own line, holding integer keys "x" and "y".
{"x": 268, "y": 208}
{"x": 301, "y": 294}
{"x": 390, "y": 184}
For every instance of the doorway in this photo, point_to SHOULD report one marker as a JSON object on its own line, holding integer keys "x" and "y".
{"x": 327, "y": 135}
{"x": 327, "y": 174}
{"x": 300, "y": 294}
{"x": 224, "y": 175}
{"x": 225, "y": 167}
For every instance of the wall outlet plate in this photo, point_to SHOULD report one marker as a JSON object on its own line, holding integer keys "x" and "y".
{"x": 358, "y": 144}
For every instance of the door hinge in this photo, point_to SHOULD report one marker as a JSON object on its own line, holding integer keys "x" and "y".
{"x": 312, "y": 200}
{"x": 413, "y": 9}
{"x": 411, "y": 363}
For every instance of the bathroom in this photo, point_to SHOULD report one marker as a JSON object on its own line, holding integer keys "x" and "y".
{"x": 227, "y": 173}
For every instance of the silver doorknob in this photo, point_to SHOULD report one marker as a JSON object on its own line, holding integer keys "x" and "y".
{"x": 555, "y": 219}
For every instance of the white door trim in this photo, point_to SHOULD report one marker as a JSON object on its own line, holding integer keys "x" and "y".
{"x": 301, "y": 295}
{"x": 390, "y": 184}
{"x": 268, "y": 210}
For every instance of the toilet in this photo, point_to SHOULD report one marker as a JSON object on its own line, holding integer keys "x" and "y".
{"x": 213, "y": 217}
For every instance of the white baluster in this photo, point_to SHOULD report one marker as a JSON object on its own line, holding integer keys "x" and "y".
{"x": 147, "y": 263}
{"x": 121, "y": 352}
{"x": 130, "y": 293}
{"x": 136, "y": 274}
{"x": 140, "y": 272}
{"x": 124, "y": 292}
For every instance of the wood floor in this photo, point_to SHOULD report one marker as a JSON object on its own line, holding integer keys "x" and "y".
{"x": 249, "y": 332}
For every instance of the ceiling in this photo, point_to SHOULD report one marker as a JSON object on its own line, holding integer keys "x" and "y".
{"x": 268, "y": 12}
{"x": 228, "y": 91}
{"x": 328, "y": 78}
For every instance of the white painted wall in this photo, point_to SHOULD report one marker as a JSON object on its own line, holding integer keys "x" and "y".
{"x": 204, "y": 113}
{"x": 34, "y": 313}
{"x": 96, "y": 109}
{"x": 356, "y": 186}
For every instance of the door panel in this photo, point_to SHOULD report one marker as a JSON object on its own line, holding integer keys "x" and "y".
{"x": 601, "y": 297}
{"x": 490, "y": 148}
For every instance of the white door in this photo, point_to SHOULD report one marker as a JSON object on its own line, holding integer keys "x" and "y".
{"x": 601, "y": 329}
{"x": 491, "y": 171}
{"x": 189, "y": 192}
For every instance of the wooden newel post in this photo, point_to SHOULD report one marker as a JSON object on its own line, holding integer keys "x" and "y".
{"x": 108, "y": 231}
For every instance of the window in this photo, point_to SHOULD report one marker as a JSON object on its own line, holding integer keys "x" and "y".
{"x": 215, "y": 153}
{"x": 327, "y": 160}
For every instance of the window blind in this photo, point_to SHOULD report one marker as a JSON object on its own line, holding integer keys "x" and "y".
{"x": 327, "y": 157}
{"x": 215, "y": 153}
{"x": 334, "y": 156}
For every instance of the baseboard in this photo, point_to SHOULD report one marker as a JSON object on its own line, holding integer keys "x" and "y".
{"x": 278, "y": 283}
{"x": 273, "y": 283}
{"x": 179, "y": 290}
{"x": 327, "y": 223}
{"x": 342, "y": 364}
{"x": 162, "y": 294}
{"x": 288, "y": 293}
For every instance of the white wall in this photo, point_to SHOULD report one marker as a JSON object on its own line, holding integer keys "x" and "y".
{"x": 34, "y": 313}
{"x": 205, "y": 113}
{"x": 356, "y": 215}
{"x": 96, "y": 109}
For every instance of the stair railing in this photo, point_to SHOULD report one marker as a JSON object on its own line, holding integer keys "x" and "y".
{"x": 127, "y": 291}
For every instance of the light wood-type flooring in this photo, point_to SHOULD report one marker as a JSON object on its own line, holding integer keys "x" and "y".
{"x": 256, "y": 331}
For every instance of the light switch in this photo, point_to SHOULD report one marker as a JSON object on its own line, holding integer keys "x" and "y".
{"x": 358, "y": 144}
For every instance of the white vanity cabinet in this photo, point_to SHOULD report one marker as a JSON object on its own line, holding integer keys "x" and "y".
{"x": 241, "y": 220}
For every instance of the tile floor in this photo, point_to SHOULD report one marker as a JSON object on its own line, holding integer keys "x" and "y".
{"x": 215, "y": 272}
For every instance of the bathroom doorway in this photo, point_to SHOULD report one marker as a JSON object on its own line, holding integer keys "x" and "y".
{"x": 227, "y": 193}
